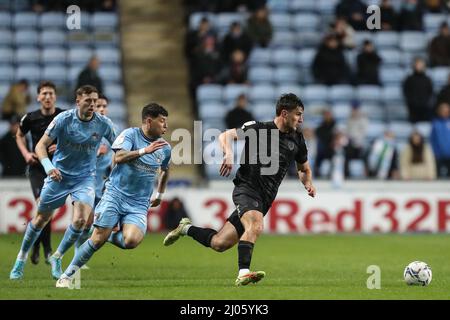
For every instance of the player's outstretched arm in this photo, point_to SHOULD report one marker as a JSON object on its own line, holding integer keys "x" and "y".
{"x": 123, "y": 156}
{"x": 305, "y": 176}
{"x": 30, "y": 157}
{"x": 226, "y": 143}
{"x": 41, "y": 151}
{"x": 163, "y": 178}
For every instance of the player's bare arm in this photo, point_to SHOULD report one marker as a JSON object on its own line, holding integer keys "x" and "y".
{"x": 123, "y": 156}
{"x": 30, "y": 157}
{"x": 41, "y": 151}
{"x": 305, "y": 176}
{"x": 163, "y": 178}
{"x": 225, "y": 139}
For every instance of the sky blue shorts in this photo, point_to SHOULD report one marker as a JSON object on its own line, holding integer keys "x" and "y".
{"x": 54, "y": 194}
{"x": 113, "y": 209}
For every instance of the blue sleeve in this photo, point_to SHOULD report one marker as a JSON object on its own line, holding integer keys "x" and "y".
{"x": 124, "y": 141}
{"x": 56, "y": 127}
{"x": 110, "y": 133}
{"x": 167, "y": 154}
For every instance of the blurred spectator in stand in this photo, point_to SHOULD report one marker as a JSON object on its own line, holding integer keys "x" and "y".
{"x": 235, "y": 39}
{"x": 174, "y": 213}
{"x": 356, "y": 130}
{"x": 259, "y": 27}
{"x": 236, "y": 117}
{"x": 344, "y": 33}
{"x": 324, "y": 133}
{"x": 16, "y": 101}
{"x": 439, "y": 48}
{"x": 206, "y": 64}
{"x": 89, "y": 75}
{"x": 239, "y": 5}
{"x": 435, "y": 6}
{"x": 368, "y": 62}
{"x": 195, "y": 38}
{"x": 444, "y": 94}
{"x": 417, "y": 160}
{"x": 440, "y": 139}
{"x": 329, "y": 66}
{"x": 12, "y": 162}
{"x": 354, "y": 11}
{"x": 388, "y": 16}
{"x": 236, "y": 69}
{"x": 410, "y": 17}
{"x": 382, "y": 159}
{"x": 418, "y": 91}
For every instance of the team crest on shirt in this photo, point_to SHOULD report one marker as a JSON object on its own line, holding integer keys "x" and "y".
{"x": 290, "y": 145}
{"x": 95, "y": 136}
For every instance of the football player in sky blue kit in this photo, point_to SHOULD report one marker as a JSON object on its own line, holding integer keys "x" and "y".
{"x": 78, "y": 132}
{"x": 139, "y": 154}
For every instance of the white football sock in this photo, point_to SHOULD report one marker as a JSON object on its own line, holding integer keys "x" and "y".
{"x": 243, "y": 271}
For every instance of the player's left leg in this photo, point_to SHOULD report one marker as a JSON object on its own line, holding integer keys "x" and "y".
{"x": 129, "y": 237}
{"x": 85, "y": 234}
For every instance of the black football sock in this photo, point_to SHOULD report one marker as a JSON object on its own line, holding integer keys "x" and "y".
{"x": 45, "y": 237}
{"x": 201, "y": 235}
{"x": 245, "y": 250}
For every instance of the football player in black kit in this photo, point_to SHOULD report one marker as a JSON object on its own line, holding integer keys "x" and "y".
{"x": 36, "y": 123}
{"x": 256, "y": 182}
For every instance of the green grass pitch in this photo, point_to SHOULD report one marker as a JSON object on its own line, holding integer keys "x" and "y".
{"x": 297, "y": 267}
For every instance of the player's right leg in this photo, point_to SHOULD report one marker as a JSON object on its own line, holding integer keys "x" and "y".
{"x": 32, "y": 232}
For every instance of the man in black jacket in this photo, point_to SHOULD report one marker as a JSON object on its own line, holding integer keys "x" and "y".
{"x": 89, "y": 75}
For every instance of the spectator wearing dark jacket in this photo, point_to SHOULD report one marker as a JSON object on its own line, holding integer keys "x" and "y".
{"x": 195, "y": 38}
{"x": 411, "y": 16}
{"x": 259, "y": 27}
{"x": 439, "y": 139}
{"x": 439, "y": 48}
{"x": 236, "y": 117}
{"x": 368, "y": 62}
{"x": 388, "y": 16}
{"x": 89, "y": 75}
{"x": 235, "y": 39}
{"x": 236, "y": 69}
{"x": 354, "y": 11}
{"x": 174, "y": 213}
{"x": 324, "y": 133}
{"x": 418, "y": 91}
{"x": 206, "y": 64}
{"x": 12, "y": 162}
{"x": 444, "y": 94}
{"x": 329, "y": 65}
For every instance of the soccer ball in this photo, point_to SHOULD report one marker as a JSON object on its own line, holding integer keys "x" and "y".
{"x": 417, "y": 273}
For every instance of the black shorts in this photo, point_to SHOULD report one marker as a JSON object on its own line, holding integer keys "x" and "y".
{"x": 245, "y": 200}
{"x": 37, "y": 177}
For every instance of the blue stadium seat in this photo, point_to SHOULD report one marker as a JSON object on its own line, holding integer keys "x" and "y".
{"x": 4, "y": 88}
{"x": 278, "y": 5}
{"x": 280, "y": 21}
{"x": 263, "y": 111}
{"x": 104, "y": 20}
{"x": 286, "y": 75}
{"x": 110, "y": 73}
{"x": 432, "y": 21}
{"x": 305, "y": 22}
{"x": 368, "y": 93}
{"x": 401, "y": 129}
{"x": 212, "y": 110}
{"x": 283, "y": 39}
{"x": 413, "y": 41}
{"x": 29, "y": 72}
{"x": 260, "y": 56}
{"x": 306, "y": 57}
{"x": 27, "y": 55}
{"x": 232, "y": 91}
{"x": 315, "y": 93}
{"x": 6, "y": 38}
{"x": 196, "y": 17}
{"x": 439, "y": 75}
{"x": 341, "y": 93}
{"x": 357, "y": 169}
{"x": 262, "y": 92}
{"x": 326, "y": 7}
{"x": 5, "y": 20}
{"x": 20, "y": 5}
{"x": 79, "y": 38}
{"x": 116, "y": 111}
{"x": 284, "y": 57}
{"x": 74, "y": 72}
{"x": 374, "y": 111}
{"x": 55, "y": 73}
{"x": 6, "y": 73}
{"x": 108, "y": 55}
{"x": 52, "y": 20}
{"x": 341, "y": 111}
{"x": 361, "y": 36}
{"x": 209, "y": 92}
{"x": 114, "y": 92}
{"x": 289, "y": 88}
{"x": 79, "y": 55}
{"x": 260, "y": 75}
{"x": 25, "y": 20}
{"x": 392, "y": 95}
{"x": 375, "y": 129}
{"x": 6, "y": 55}
{"x": 392, "y": 75}
{"x": 53, "y": 55}
{"x": 224, "y": 20}
{"x": 302, "y": 6}
{"x": 52, "y": 38}
{"x": 390, "y": 57}
{"x": 424, "y": 128}
{"x": 387, "y": 39}
{"x": 396, "y": 112}
{"x": 309, "y": 39}
{"x": 26, "y": 37}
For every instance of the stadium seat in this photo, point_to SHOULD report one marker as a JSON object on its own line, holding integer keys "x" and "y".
{"x": 6, "y": 55}
{"x": 52, "y": 20}
{"x": 26, "y": 37}
{"x": 196, "y": 17}
{"x": 392, "y": 95}
{"x": 286, "y": 75}
{"x": 424, "y": 128}
{"x": 413, "y": 41}
{"x": 374, "y": 111}
{"x": 315, "y": 93}
{"x": 6, "y": 73}
{"x": 283, "y": 39}
{"x": 284, "y": 57}
{"x": 117, "y": 112}
{"x": 79, "y": 55}
{"x": 439, "y": 75}
{"x": 289, "y": 88}
{"x": 209, "y": 92}
{"x": 432, "y": 21}
{"x": 110, "y": 73}
{"x": 341, "y": 111}
{"x": 52, "y": 38}
{"x": 263, "y": 111}
{"x": 114, "y": 92}
{"x": 375, "y": 130}
{"x": 29, "y": 72}
{"x": 104, "y": 21}
{"x": 6, "y": 38}
{"x": 280, "y": 21}
{"x": 55, "y": 73}
{"x": 74, "y": 72}
{"x": 25, "y": 20}
{"x": 260, "y": 56}
{"x": 232, "y": 91}
{"x": 5, "y": 20}
{"x": 4, "y": 88}
{"x": 108, "y": 55}
{"x": 326, "y": 7}
{"x": 260, "y": 75}
{"x": 392, "y": 75}
{"x": 262, "y": 92}
{"x": 278, "y": 5}
{"x": 390, "y": 57}
{"x": 368, "y": 93}
{"x": 27, "y": 55}
{"x": 20, "y": 5}
{"x": 397, "y": 112}
{"x": 341, "y": 93}
{"x": 305, "y": 22}
{"x": 53, "y": 55}
{"x": 302, "y": 6}
{"x": 386, "y": 39}
{"x": 357, "y": 169}
{"x": 305, "y": 57}
{"x": 212, "y": 110}
{"x": 309, "y": 39}
{"x": 361, "y": 36}
{"x": 224, "y": 20}
{"x": 401, "y": 129}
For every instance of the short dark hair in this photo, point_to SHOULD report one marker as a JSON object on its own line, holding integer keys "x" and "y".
{"x": 289, "y": 102}
{"x": 153, "y": 110}
{"x": 44, "y": 84}
{"x": 102, "y": 96}
{"x": 86, "y": 89}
